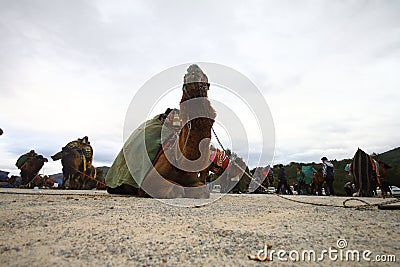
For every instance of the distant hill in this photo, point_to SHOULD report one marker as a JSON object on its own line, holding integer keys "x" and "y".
{"x": 102, "y": 172}
{"x": 392, "y": 158}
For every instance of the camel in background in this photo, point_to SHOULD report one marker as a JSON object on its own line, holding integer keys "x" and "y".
{"x": 317, "y": 182}
{"x": 368, "y": 174}
{"x": 73, "y": 169}
{"x": 31, "y": 168}
{"x": 71, "y": 161}
{"x": 236, "y": 178}
{"x": 41, "y": 182}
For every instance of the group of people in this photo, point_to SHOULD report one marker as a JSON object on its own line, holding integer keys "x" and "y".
{"x": 302, "y": 187}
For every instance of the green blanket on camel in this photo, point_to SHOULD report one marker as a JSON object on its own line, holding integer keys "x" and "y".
{"x": 140, "y": 149}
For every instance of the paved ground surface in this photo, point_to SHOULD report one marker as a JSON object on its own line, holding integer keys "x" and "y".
{"x": 71, "y": 229}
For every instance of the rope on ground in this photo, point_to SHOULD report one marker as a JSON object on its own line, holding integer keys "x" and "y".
{"x": 308, "y": 203}
{"x": 366, "y": 205}
{"x": 369, "y": 205}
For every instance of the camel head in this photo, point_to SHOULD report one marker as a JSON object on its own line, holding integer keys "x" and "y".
{"x": 195, "y": 83}
{"x": 194, "y": 102}
{"x": 43, "y": 159}
{"x": 195, "y": 90}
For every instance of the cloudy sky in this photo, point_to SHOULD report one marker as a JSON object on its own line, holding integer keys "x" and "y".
{"x": 329, "y": 70}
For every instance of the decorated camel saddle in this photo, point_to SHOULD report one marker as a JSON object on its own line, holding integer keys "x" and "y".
{"x": 219, "y": 161}
{"x": 81, "y": 145}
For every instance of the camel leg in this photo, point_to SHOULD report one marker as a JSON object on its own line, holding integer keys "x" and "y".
{"x": 78, "y": 181}
{"x": 64, "y": 180}
{"x": 158, "y": 187}
{"x": 71, "y": 181}
{"x": 203, "y": 176}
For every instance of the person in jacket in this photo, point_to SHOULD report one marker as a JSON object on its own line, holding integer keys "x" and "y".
{"x": 283, "y": 186}
{"x": 301, "y": 181}
{"x": 328, "y": 173}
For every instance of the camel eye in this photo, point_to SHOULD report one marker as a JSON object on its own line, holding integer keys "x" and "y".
{"x": 206, "y": 87}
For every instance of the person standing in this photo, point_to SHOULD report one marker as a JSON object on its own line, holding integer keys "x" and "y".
{"x": 283, "y": 186}
{"x": 328, "y": 173}
{"x": 301, "y": 181}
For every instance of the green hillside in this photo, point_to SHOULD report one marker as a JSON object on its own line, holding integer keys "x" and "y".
{"x": 392, "y": 158}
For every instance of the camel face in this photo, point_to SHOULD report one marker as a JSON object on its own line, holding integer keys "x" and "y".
{"x": 32, "y": 168}
{"x": 40, "y": 157}
{"x": 194, "y": 90}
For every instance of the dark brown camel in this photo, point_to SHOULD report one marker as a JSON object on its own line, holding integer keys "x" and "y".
{"x": 71, "y": 161}
{"x": 367, "y": 173}
{"x": 268, "y": 179}
{"x": 176, "y": 174}
{"x": 73, "y": 170}
{"x": 317, "y": 182}
{"x": 194, "y": 143}
{"x": 31, "y": 168}
{"x": 41, "y": 181}
{"x": 381, "y": 178}
{"x": 236, "y": 178}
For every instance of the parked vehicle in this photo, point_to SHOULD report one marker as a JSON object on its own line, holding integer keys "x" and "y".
{"x": 395, "y": 191}
{"x": 217, "y": 188}
{"x": 271, "y": 189}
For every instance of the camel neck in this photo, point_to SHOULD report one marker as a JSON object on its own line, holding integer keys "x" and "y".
{"x": 197, "y": 132}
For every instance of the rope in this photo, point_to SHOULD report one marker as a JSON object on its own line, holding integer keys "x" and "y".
{"x": 366, "y": 205}
{"x": 219, "y": 142}
{"x": 90, "y": 177}
{"x": 369, "y": 205}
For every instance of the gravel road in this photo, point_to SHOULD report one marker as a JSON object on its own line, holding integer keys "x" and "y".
{"x": 96, "y": 229}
